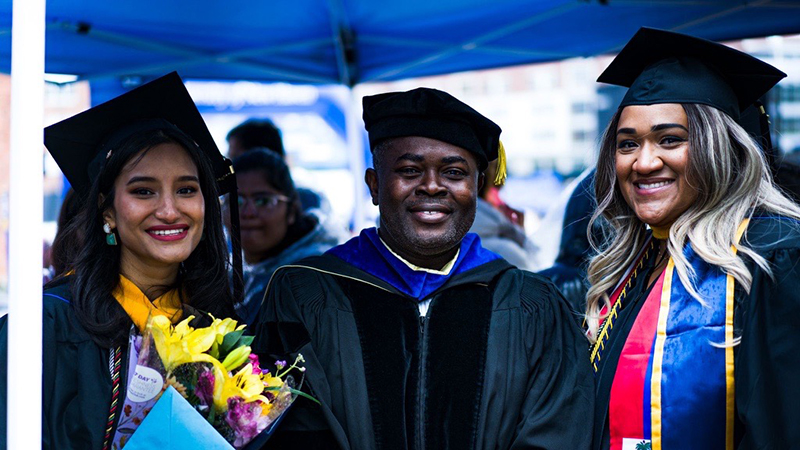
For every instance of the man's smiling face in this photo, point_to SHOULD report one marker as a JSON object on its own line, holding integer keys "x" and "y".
{"x": 427, "y": 193}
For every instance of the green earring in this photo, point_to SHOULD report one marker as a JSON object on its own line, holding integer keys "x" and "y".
{"x": 111, "y": 238}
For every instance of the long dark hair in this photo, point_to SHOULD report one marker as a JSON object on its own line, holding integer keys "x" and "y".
{"x": 202, "y": 279}
{"x": 276, "y": 173}
{"x": 69, "y": 239}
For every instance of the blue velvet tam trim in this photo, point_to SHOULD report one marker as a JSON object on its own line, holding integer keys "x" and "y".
{"x": 367, "y": 252}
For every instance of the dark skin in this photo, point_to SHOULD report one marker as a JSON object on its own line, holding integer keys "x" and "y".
{"x": 427, "y": 194}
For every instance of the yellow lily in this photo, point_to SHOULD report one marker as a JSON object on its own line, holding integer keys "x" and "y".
{"x": 244, "y": 384}
{"x": 222, "y": 327}
{"x": 271, "y": 381}
{"x": 180, "y": 344}
{"x": 236, "y": 358}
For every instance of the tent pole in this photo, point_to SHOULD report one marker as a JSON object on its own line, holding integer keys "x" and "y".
{"x": 25, "y": 226}
{"x": 355, "y": 143}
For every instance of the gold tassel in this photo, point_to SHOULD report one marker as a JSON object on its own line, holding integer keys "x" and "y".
{"x": 500, "y": 177}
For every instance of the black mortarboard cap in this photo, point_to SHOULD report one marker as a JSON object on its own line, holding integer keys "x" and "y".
{"x": 665, "y": 67}
{"x": 80, "y": 144}
{"x": 432, "y": 114}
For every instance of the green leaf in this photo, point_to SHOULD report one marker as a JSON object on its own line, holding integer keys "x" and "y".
{"x": 245, "y": 340}
{"x": 293, "y": 391}
{"x": 229, "y": 343}
{"x": 303, "y": 394}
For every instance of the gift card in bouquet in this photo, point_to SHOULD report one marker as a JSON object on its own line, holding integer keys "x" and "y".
{"x": 173, "y": 424}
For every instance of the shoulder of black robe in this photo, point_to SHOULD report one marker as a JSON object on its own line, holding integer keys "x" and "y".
{"x": 332, "y": 265}
{"x": 295, "y": 297}
{"x": 558, "y": 407}
{"x": 76, "y": 385}
{"x": 767, "y": 360}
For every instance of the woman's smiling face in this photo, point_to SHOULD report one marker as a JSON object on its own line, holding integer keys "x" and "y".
{"x": 158, "y": 209}
{"x": 651, "y": 162}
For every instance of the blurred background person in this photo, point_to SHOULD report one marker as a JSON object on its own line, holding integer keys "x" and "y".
{"x": 501, "y": 227}
{"x": 568, "y": 272}
{"x": 263, "y": 134}
{"x": 787, "y": 175}
{"x": 275, "y": 229}
{"x": 254, "y": 133}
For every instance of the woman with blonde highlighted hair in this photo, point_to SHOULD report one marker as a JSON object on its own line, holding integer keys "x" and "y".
{"x": 696, "y": 289}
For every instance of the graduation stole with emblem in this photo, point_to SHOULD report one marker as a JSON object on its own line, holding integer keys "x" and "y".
{"x": 674, "y": 386}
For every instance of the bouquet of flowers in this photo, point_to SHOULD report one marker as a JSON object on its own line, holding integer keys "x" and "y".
{"x": 203, "y": 380}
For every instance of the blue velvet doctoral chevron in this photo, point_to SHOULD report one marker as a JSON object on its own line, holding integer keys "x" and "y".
{"x": 367, "y": 252}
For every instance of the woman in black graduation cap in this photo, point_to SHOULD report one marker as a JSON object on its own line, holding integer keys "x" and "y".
{"x": 152, "y": 245}
{"x": 696, "y": 294}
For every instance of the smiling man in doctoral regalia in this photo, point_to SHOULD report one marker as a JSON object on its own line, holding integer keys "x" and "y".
{"x": 415, "y": 336}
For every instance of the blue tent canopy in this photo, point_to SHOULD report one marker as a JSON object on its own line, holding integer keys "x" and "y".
{"x": 355, "y": 41}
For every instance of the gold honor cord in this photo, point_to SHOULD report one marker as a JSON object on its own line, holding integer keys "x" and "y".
{"x": 608, "y": 323}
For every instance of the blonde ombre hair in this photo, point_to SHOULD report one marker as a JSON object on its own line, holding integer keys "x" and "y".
{"x": 732, "y": 179}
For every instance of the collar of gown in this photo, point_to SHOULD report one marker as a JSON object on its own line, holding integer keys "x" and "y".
{"x": 370, "y": 254}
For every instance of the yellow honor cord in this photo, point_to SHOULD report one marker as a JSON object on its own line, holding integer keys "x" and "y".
{"x": 500, "y": 177}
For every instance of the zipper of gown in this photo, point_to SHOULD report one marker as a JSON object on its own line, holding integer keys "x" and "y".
{"x": 423, "y": 320}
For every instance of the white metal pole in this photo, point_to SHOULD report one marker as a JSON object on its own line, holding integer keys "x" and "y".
{"x": 25, "y": 226}
{"x": 355, "y": 144}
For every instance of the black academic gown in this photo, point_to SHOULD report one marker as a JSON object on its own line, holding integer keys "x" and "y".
{"x": 498, "y": 362}
{"x": 766, "y": 362}
{"x": 76, "y": 380}
{"x": 76, "y": 376}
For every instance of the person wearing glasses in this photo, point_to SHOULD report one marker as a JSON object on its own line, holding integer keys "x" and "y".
{"x": 274, "y": 228}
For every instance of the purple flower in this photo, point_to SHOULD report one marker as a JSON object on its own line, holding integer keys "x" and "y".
{"x": 245, "y": 419}
{"x": 253, "y": 358}
{"x": 280, "y": 364}
{"x": 204, "y": 389}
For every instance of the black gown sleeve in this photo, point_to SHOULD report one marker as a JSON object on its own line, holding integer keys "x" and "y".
{"x": 767, "y": 362}
{"x": 559, "y": 404}
{"x": 48, "y": 363}
{"x": 282, "y": 331}
{"x": 47, "y": 381}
